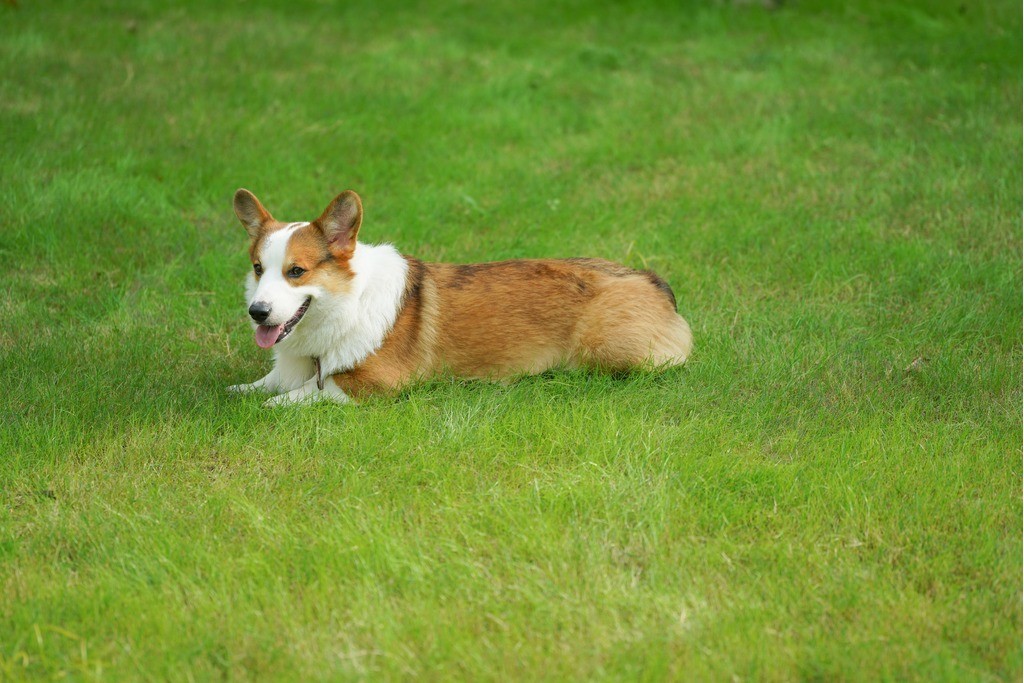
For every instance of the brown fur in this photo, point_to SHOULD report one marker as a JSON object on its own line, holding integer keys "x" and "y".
{"x": 310, "y": 251}
{"x": 494, "y": 320}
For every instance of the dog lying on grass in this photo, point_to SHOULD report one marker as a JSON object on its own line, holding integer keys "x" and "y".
{"x": 347, "y": 319}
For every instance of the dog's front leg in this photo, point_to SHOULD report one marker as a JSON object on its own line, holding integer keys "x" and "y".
{"x": 290, "y": 372}
{"x": 309, "y": 393}
{"x": 269, "y": 384}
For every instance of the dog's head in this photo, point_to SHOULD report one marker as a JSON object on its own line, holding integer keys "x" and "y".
{"x": 295, "y": 264}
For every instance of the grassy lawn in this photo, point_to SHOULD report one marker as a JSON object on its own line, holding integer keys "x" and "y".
{"x": 829, "y": 490}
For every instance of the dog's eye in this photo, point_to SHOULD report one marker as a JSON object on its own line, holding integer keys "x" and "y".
{"x": 295, "y": 271}
{"x": 257, "y": 268}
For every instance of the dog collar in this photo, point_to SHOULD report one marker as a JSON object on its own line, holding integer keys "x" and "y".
{"x": 319, "y": 375}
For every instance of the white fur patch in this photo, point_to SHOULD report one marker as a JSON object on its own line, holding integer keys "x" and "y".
{"x": 344, "y": 329}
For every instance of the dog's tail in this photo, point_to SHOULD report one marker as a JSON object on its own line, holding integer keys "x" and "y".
{"x": 665, "y": 288}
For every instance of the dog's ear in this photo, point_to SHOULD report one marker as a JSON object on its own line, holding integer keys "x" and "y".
{"x": 251, "y": 212}
{"x": 340, "y": 223}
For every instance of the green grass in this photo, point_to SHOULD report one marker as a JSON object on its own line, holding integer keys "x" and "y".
{"x": 833, "y": 190}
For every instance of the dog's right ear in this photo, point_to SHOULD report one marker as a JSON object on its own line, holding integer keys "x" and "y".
{"x": 251, "y": 212}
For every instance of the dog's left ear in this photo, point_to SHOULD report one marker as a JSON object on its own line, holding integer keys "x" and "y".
{"x": 340, "y": 223}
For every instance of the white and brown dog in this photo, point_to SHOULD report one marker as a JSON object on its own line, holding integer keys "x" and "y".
{"x": 349, "y": 319}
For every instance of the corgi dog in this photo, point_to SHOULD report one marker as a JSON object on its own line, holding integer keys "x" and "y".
{"x": 347, "y": 319}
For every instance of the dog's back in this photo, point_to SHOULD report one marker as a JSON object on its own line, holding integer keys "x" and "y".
{"x": 527, "y": 316}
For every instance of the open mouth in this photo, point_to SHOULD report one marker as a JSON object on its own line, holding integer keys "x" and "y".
{"x": 268, "y": 335}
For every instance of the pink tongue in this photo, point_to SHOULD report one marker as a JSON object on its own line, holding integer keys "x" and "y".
{"x": 267, "y": 335}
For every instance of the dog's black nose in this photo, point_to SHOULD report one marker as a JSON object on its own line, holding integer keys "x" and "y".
{"x": 259, "y": 311}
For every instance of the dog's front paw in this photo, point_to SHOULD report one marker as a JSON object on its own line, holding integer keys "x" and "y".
{"x": 245, "y": 388}
{"x": 287, "y": 399}
{"x": 279, "y": 400}
{"x": 306, "y": 395}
